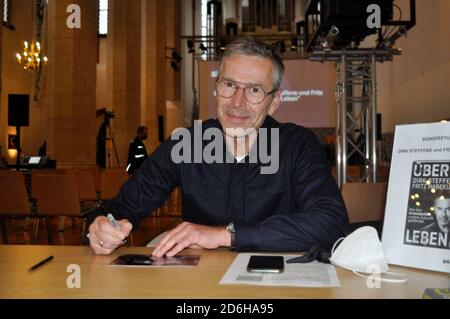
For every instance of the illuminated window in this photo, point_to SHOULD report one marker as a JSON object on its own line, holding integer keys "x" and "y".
{"x": 204, "y": 19}
{"x": 103, "y": 17}
{"x": 6, "y": 7}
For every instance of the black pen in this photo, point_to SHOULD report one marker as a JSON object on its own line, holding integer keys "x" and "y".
{"x": 39, "y": 264}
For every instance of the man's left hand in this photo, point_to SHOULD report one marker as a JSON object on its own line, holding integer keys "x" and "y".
{"x": 189, "y": 235}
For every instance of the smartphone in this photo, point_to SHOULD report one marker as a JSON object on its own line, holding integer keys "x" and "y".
{"x": 266, "y": 264}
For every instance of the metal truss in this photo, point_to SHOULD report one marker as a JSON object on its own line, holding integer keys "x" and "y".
{"x": 356, "y": 98}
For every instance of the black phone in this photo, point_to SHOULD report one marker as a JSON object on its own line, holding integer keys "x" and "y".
{"x": 266, "y": 264}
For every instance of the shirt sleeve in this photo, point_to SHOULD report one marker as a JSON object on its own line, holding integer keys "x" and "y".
{"x": 321, "y": 216}
{"x": 148, "y": 189}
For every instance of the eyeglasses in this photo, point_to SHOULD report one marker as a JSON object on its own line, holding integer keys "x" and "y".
{"x": 253, "y": 93}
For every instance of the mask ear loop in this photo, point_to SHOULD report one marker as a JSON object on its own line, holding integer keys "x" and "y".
{"x": 397, "y": 281}
{"x": 366, "y": 276}
{"x": 336, "y": 243}
{"x": 334, "y": 248}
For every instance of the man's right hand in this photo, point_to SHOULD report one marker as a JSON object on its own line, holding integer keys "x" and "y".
{"x": 104, "y": 238}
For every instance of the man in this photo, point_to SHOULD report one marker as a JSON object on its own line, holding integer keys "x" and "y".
{"x": 43, "y": 149}
{"x": 233, "y": 204}
{"x": 137, "y": 152}
{"x": 442, "y": 213}
{"x": 439, "y": 230}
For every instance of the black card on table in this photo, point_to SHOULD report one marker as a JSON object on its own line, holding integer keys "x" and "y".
{"x": 148, "y": 260}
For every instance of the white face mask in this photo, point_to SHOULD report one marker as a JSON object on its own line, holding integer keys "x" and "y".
{"x": 361, "y": 251}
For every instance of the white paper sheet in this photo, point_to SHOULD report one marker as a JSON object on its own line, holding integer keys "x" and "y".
{"x": 312, "y": 274}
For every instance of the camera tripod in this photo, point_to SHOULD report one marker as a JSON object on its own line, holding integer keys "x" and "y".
{"x": 111, "y": 145}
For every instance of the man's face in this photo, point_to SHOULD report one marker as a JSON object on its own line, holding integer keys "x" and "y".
{"x": 144, "y": 135}
{"x": 236, "y": 112}
{"x": 442, "y": 211}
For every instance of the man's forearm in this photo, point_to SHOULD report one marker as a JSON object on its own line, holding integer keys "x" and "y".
{"x": 295, "y": 232}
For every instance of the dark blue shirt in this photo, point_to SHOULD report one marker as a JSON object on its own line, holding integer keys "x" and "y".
{"x": 295, "y": 208}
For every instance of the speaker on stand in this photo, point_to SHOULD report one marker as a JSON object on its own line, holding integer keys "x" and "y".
{"x": 18, "y": 115}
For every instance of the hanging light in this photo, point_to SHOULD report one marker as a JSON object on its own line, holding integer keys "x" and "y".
{"x": 31, "y": 58}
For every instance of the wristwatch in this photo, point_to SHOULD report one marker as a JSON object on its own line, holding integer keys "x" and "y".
{"x": 232, "y": 231}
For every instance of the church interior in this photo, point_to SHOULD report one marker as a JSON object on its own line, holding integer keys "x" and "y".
{"x": 88, "y": 73}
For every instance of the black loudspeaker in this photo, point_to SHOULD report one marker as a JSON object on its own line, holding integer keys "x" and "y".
{"x": 18, "y": 110}
{"x": 378, "y": 126}
{"x": 161, "y": 128}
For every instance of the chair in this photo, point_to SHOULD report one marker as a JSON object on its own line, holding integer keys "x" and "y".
{"x": 95, "y": 170}
{"x": 56, "y": 195}
{"x": 27, "y": 177}
{"x": 365, "y": 204}
{"x": 85, "y": 184}
{"x": 13, "y": 199}
{"x": 33, "y": 191}
{"x": 4, "y": 171}
{"x": 87, "y": 193}
{"x": 111, "y": 182}
{"x": 41, "y": 172}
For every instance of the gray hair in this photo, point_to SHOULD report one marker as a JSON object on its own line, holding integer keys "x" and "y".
{"x": 251, "y": 46}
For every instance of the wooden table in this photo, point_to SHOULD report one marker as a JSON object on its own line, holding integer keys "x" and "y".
{"x": 101, "y": 281}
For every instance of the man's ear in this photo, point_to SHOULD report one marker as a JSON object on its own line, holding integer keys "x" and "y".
{"x": 275, "y": 103}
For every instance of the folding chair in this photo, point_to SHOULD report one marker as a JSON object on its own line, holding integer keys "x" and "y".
{"x": 111, "y": 182}
{"x": 13, "y": 199}
{"x": 56, "y": 195}
{"x": 365, "y": 204}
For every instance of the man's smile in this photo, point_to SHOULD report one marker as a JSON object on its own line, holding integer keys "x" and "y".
{"x": 237, "y": 118}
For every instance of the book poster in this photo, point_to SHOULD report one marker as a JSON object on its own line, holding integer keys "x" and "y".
{"x": 416, "y": 231}
{"x": 427, "y": 223}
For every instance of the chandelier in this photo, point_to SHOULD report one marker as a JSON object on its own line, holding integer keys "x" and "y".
{"x": 31, "y": 58}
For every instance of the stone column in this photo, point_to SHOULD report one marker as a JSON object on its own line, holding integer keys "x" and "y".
{"x": 71, "y": 84}
{"x": 123, "y": 69}
{"x": 154, "y": 66}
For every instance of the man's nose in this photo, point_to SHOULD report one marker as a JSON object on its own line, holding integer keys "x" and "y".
{"x": 238, "y": 99}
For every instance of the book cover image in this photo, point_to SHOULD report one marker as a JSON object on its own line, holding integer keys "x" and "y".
{"x": 428, "y": 212}
{"x": 148, "y": 260}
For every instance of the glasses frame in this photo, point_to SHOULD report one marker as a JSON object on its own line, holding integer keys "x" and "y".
{"x": 218, "y": 82}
